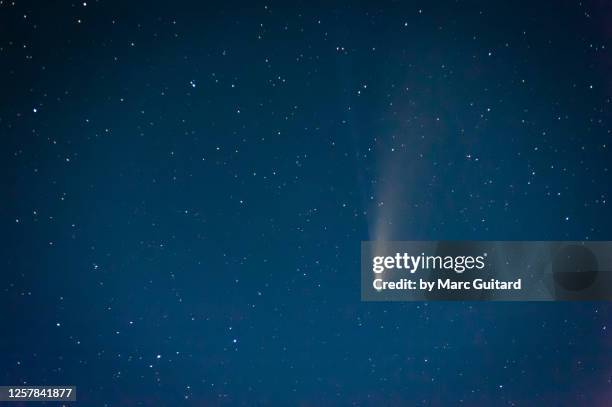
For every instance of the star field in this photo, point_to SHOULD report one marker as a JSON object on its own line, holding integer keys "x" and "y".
{"x": 186, "y": 186}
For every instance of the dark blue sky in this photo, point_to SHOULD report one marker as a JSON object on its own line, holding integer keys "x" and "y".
{"x": 186, "y": 186}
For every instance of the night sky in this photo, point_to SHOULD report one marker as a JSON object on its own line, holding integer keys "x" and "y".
{"x": 185, "y": 187}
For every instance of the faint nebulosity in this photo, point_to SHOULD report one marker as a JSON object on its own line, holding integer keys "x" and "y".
{"x": 186, "y": 186}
